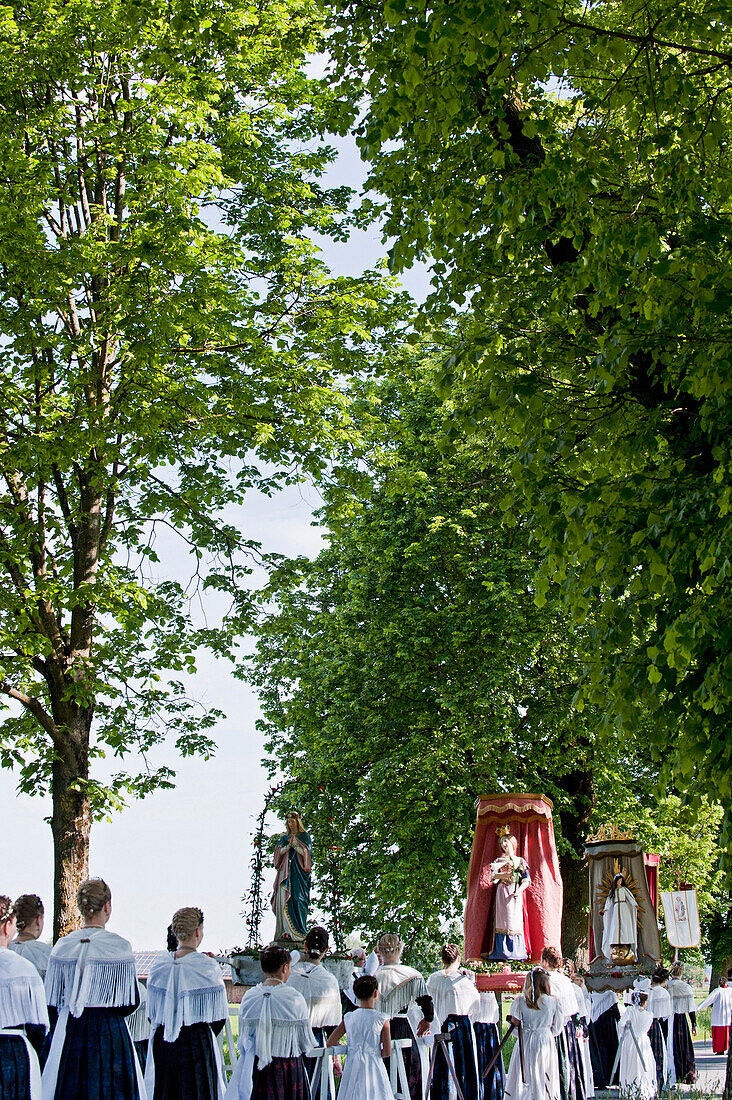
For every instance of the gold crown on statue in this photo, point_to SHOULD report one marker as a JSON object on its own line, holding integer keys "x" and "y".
{"x": 503, "y": 830}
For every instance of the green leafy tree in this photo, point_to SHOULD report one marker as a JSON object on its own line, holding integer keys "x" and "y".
{"x": 407, "y": 670}
{"x": 566, "y": 168}
{"x": 167, "y": 330}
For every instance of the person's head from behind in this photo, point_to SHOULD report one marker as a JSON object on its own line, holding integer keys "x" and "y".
{"x": 276, "y": 962}
{"x": 390, "y": 947}
{"x": 94, "y": 899}
{"x": 723, "y": 982}
{"x": 551, "y": 958}
{"x": 29, "y": 913}
{"x": 366, "y": 990}
{"x": 536, "y": 983}
{"x": 8, "y": 923}
{"x": 316, "y": 943}
{"x": 659, "y": 976}
{"x": 450, "y": 955}
{"x": 187, "y": 927}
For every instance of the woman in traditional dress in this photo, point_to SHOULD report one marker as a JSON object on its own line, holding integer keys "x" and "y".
{"x": 487, "y": 1041}
{"x": 683, "y": 1003}
{"x": 23, "y": 1016}
{"x": 29, "y": 914}
{"x": 91, "y": 985}
{"x": 540, "y": 1017}
{"x": 637, "y": 1068}
{"x": 619, "y": 919}
{"x": 584, "y": 1015}
{"x": 569, "y": 1056}
{"x": 407, "y": 1002}
{"x": 187, "y": 1006}
{"x": 661, "y": 1032}
{"x": 319, "y": 988}
{"x": 369, "y": 1043}
{"x": 456, "y": 1001}
{"x": 293, "y": 860}
{"x": 720, "y": 1001}
{"x": 274, "y": 1034}
{"x": 511, "y": 878}
{"x": 603, "y": 1030}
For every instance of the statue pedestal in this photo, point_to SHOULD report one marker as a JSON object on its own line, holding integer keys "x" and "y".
{"x": 508, "y": 981}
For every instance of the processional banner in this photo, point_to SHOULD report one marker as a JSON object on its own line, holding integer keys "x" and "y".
{"x": 681, "y": 914}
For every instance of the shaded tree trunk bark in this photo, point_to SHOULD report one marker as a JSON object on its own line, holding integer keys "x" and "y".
{"x": 70, "y": 824}
{"x": 575, "y": 826}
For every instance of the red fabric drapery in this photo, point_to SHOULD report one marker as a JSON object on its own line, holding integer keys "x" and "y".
{"x": 530, "y": 819}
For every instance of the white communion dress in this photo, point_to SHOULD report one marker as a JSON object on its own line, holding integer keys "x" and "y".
{"x": 540, "y": 1025}
{"x": 364, "y": 1075}
{"x": 637, "y": 1070}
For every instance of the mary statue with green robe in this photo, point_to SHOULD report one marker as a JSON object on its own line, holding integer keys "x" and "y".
{"x": 293, "y": 860}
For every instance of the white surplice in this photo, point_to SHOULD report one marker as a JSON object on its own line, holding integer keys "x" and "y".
{"x": 720, "y": 1001}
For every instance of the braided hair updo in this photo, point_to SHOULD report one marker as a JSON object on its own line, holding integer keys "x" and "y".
{"x": 316, "y": 942}
{"x": 185, "y": 922}
{"x": 92, "y": 896}
{"x": 27, "y": 908}
{"x": 7, "y": 909}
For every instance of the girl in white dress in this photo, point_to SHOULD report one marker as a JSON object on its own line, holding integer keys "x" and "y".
{"x": 369, "y": 1042}
{"x": 541, "y": 1020}
{"x": 637, "y": 1066}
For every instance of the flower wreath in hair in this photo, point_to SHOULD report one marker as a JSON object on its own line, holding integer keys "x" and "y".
{"x": 7, "y": 909}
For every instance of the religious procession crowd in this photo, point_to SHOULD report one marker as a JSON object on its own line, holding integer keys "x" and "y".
{"x": 75, "y": 1022}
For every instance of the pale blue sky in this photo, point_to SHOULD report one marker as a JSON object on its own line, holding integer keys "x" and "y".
{"x": 192, "y": 845}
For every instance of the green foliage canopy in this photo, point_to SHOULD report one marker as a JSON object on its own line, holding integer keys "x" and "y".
{"x": 169, "y": 337}
{"x": 567, "y": 170}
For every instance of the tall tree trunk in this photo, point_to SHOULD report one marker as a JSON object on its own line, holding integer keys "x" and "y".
{"x": 70, "y": 823}
{"x": 580, "y": 784}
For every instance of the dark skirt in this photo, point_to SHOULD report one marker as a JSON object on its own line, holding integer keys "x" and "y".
{"x": 14, "y": 1068}
{"x": 461, "y": 1045}
{"x": 140, "y": 1046}
{"x": 604, "y": 1047}
{"x": 571, "y": 1070}
{"x": 98, "y": 1059}
{"x": 684, "y": 1060}
{"x": 282, "y": 1079}
{"x": 185, "y": 1069}
{"x": 657, "y": 1036}
{"x": 486, "y": 1042}
{"x": 402, "y": 1029}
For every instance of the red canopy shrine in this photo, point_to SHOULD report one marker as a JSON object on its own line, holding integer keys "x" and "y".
{"x": 530, "y": 819}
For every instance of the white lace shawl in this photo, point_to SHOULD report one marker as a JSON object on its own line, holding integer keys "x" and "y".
{"x": 682, "y": 996}
{"x": 138, "y": 1023}
{"x": 22, "y": 997}
{"x": 37, "y": 952}
{"x": 276, "y": 1018}
{"x": 487, "y": 1010}
{"x": 185, "y": 991}
{"x": 91, "y": 968}
{"x": 601, "y": 1002}
{"x": 659, "y": 1003}
{"x": 399, "y": 987}
{"x": 321, "y": 992}
{"x": 453, "y": 994}
{"x": 562, "y": 989}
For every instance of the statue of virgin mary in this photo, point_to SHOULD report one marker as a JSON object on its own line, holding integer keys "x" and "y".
{"x": 293, "y": 860}
{"x": 620, "y": 920}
